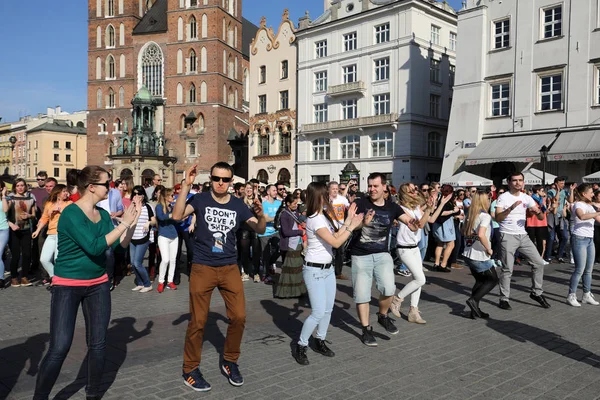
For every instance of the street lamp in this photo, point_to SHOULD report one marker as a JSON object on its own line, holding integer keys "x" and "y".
{"x": 544, "y": 156}
{"x": 12, "y": 141}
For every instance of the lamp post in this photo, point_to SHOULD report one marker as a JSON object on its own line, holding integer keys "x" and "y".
{"x": 544, "y": 156}
{"x": 12, "y": 141}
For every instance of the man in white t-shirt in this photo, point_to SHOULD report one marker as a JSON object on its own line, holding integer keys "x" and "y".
{"x": 511, "y": 210}
{"x": 340, "y": 204}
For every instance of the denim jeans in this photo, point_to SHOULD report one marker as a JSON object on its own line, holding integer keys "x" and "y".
{"x": 321, "y": 287}
{"x": 96, "y": 307}
{"x": 49, "y": 253}
{"x": 137, "y": 252}
{"x": 562, "y": 229}
{"x": 584, "y": 254}
{"x": 4, "y": 235}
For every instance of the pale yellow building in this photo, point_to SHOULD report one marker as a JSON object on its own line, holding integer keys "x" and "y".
{"x": 55, "y": 147}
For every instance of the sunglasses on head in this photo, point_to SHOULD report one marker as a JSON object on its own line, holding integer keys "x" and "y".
{"x": 221, "y": 178}
{"x": 105, "y": 184}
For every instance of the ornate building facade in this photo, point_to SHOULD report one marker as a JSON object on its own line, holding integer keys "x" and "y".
{"x": 272, "y": 139}
{"x": 182, "y": 62}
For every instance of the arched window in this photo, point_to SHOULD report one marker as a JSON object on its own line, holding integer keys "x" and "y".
{"x": 224, "y": 94}
{"x": 321, "y": 149}
{"x": 117, "y": 125}
{"x": 102, "y": 125}
{"x": 204, "y": 26}
{"x": 120, "y": 6}
{"x": 350, "y": 146}
{"x": 192, "y": 149}
{"x": 230, "y": 34}
{"x": 98, "y": 37}
{"x": 434, "y": 145}
{"x": 262, "y": 176}
{"x": 263, "y": 143}
{"x": 235, "y": 69}
{"x": 200, "y": 120}
{"x": 126, "y": 173}
{"x": 203, "y": 92}
{"x": 203, "y": 60}
{"x": 235, "y": 36}
{"x": 193, "y": 67}
{"x": 230, "y": 67}
{"x": 192, "y": 93}
{"x": 236, "y": 99}
{"x": 192, "y": 29}
{"x": 98, "y": 68}
{"x": 180, "y": 29}
{"x": 230, "y": 99}
{"x": 110, "y": 67}
{"x": 284, "y": 176}
{"x": 382, "y": 144}
{"x": 110, "y": 36}
{"x": 99, "y": 98}
{"x": 182, "y": 122}
{"x": 122, "y": 66}
{"x": 179, "y": 93}
{"x": 285, "y": 141}
{"x": 111, "y": 98}
{"x": 122, "y": 35}
{"x": 151, "y": 69}
{"x": 179, "y": 61}
{"x": 225, "y": 62}
{"x": 246, "y": 87}
{"x": 121, "y": 97}
{"x": 193, "y": 3}
{"x": 98, "y": 8}
{"x": 230, "y": 7}
{"x": 110, "y": 8}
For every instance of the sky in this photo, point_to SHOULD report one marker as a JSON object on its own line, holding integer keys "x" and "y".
{"x": 43, "y": 55}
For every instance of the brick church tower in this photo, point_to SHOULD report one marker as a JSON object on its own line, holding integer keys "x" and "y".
{"x": 190, "y": 57}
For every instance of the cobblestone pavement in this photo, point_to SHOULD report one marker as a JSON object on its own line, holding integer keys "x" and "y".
{"x": 525, "y": 353}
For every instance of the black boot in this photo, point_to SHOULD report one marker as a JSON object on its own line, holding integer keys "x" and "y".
{"x": 300, "y": 355}
{"x": 321, "y": 347}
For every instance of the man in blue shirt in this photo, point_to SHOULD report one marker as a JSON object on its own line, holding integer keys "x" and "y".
{"x": 269, "y": 241}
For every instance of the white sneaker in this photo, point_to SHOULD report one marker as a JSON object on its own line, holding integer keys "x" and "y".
{"x": 245, "y": 277}
{"x": 572, "y": 300}
{"x": 146, "y": 289}
{"x": 588, "y": 298}
{"x": 139, "y": 287}
{"x": 546, "y": 262}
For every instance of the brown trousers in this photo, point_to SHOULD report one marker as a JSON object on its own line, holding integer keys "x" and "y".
{"x": 203, "y": 280}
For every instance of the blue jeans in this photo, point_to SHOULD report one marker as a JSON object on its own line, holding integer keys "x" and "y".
{"x": 562, "y": 229}
{"x": 96, "y": 306}
{"x": 4, "y": 235}
{"x": 584, "y": 254}
{"x": 137, "y": 252}
{"x": 321, "y": 287}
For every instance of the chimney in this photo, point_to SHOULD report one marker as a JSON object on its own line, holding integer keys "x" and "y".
{"x": 58, "y": 110}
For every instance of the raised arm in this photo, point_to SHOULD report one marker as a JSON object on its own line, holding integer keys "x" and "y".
{"x": 182, "y": 209}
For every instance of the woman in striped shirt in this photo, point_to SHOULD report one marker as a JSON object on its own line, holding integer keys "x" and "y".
{"x": 141, "y": 240}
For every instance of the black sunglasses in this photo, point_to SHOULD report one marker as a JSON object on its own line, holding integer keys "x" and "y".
{"x": 40, "y": 179}
{"x": 105, "y": 184}
{"x": 220, "y": 178}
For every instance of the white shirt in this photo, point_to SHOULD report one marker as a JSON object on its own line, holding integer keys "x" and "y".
{"x": 474, "y": 249}
{"x": 340, "y": 204}
{"x": 318, "y": 251}
{"x": 579, "y": 227}
{"x": 514, "y": 223}
{"x": 405, "y": 236}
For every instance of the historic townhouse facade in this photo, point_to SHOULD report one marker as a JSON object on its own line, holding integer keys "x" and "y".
{"x": 375, "y": 89}
{"x": 273, "y": 103}
{"x": 181, "y": 62}
{"x": 528, "y": 80}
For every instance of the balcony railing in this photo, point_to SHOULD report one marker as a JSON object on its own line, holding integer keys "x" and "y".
{"x": 346, "y": 88}
{"x": 351, "y": 123}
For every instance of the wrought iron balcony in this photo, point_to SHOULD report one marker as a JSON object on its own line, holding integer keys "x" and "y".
{"x": 346, "y": 88}
{"x": 361, "y": 122}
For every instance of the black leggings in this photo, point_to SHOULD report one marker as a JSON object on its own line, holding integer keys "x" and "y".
{"x": 538, "y": 234}
{"x": 20, "y": 247}
{"x": 484, "y": 282}
{"x": 247, "y": 241}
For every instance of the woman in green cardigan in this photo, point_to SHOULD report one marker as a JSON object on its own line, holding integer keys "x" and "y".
{"x": 84, "y": 233}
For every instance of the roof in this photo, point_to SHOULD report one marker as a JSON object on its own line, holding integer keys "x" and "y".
{"x": 248, "y": 33}
{"x": 143, "y": 95}
{"x": 155, "y": 20}
{"x": 59, "y": 126}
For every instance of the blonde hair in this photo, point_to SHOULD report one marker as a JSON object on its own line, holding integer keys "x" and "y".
{"x": 162, "y": 199}
{"x": 479, "y": 203}
{"x": 409, "y": 200}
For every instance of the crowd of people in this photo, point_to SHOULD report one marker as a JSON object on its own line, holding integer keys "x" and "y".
{"x": 80, "y": 240}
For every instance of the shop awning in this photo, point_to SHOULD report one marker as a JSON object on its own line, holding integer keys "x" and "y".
{"x": 570, "y": 146}
{"x": 466, "y": 179}
{"x": 524, "y": 148}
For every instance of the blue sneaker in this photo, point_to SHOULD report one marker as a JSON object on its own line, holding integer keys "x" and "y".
{"x": 233, "y": 373}
{"x": 196, "y": 381}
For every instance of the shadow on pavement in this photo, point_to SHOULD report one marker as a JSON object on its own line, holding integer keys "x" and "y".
{"x": 14, "y": 358}
{"x": 119, "y": 335}
{"x": 212, "y": 333}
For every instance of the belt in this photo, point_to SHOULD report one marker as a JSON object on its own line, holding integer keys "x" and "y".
{"x": 407, "y": 247}
{"x": 317, "y": 265}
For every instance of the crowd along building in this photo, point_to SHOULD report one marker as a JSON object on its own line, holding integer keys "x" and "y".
{"x": 527, "y": 89}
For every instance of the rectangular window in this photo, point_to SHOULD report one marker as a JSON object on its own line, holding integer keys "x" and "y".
{"x": 56, "y": 144}
{"x": 320, "y": 112}
{"x": 551, "y": 92}
{"x": 284, "y": 69}
{"x": 321, "y": 149}
{"x": 262, "y": 104}
{"x": 263, "y": 74}
{"x": 382, "y": 103}
{"x": 382, "y": 69}
{"x": 452, "y": 41}
{"x": 435, "y": 34}
{"x": 434, "y": 71}
{"x": 552, "y": 22}
{"x": 68, "y": 158}
{"x": 321, "y": 48}
{"x": 382, "y": 145}
{"x": 500, "y": 99}
{"x": 349, "y": 109}
{"x": 597, "y": 84}
{"x": 284, "y": 98}
{"x": 350, "y": 41}
{"x": 56, "y": 157}
{"x": 350, "y": 73}
{"x": 502, "y": 34}
{"x": 451, "y": 75}
{"x": 56, "y": 172}
{"x": 68, "y": 145}
{"x": 321, "y": 178}
{"x": 321, "y": 81}
{"x": 350, "y": 146}
{"x": 434, "y": 105}
{"x": 382, "y": 33}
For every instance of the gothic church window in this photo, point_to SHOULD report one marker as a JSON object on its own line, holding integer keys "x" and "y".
{"x": 152, "y": 69}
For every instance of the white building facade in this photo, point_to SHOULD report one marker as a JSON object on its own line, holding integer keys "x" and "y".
{"x": 375, "y": 88}
{"x": 272, "y": 84}
{"x": 528, "y": 76}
